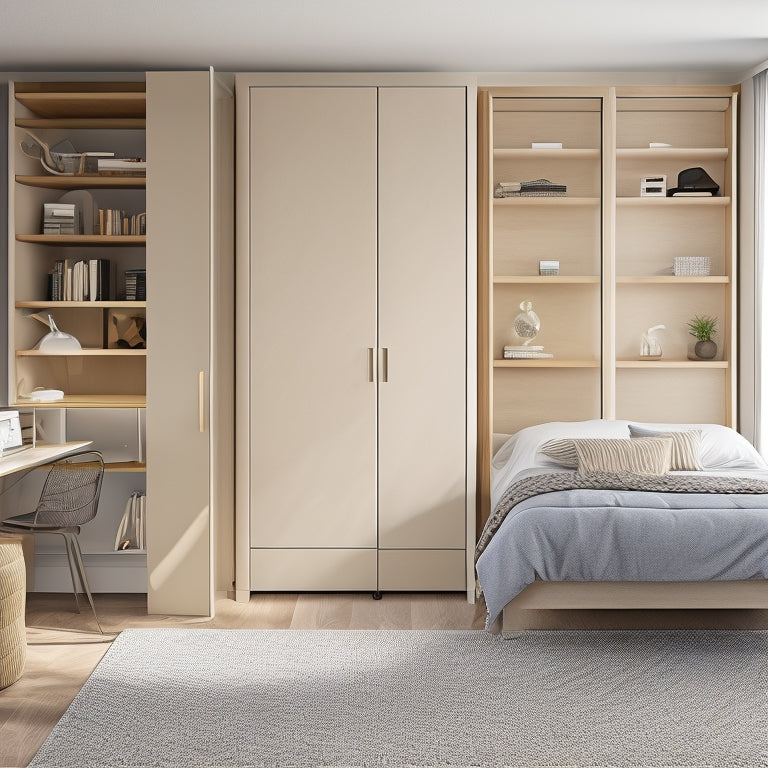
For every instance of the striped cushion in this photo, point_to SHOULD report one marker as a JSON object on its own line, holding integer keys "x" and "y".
{"x": 686, "y": 445}
{"x": 562, "y": 451}
{"x": 642, "y": 456}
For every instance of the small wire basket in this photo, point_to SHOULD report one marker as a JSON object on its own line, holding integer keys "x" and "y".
{"x": 692, "y": 266}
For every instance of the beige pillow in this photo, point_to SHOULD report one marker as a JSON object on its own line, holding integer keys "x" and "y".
{"x": 641, "y": 456}
{"x": 686, "y": 446}
{"x": 562, "y": 451}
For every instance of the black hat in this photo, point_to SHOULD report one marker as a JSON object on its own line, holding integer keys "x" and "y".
{"x": 694, "y": 180}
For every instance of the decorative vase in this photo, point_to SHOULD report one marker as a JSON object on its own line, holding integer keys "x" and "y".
{"x": 527, "y": 324}
{"x": 705, "y": 350}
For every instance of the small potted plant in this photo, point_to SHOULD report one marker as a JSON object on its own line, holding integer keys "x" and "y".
{"x": 703, "y": 328}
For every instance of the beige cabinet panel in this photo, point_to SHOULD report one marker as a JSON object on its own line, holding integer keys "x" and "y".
{"x": 421, "y": 570}
{"x": 312, "y": 317}
{"x": 178, "y": 262}
{"x": 422, "y": 317}
{"x": 313, "y": 570}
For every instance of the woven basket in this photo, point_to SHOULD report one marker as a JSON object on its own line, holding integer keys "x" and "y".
{"x": 13, "y": 640}
{"x": 691, "y": 266}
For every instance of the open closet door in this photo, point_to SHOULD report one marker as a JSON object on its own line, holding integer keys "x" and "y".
{"x": 190, "y": 265}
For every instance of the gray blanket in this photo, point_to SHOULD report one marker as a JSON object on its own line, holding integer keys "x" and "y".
{"x": 607, "y": 527}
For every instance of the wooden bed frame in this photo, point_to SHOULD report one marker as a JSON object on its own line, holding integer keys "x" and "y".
{"x": 546, "y": 595}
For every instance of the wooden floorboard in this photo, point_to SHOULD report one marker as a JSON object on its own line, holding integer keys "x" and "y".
{"x": 63, "y": 647}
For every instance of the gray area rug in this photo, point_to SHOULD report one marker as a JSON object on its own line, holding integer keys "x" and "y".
{"x": 392, "y": 698}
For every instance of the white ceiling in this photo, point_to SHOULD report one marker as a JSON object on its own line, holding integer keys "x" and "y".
{"x": 385, "y": 35}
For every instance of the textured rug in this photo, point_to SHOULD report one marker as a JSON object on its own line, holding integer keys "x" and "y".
{"x": 182, "y": 698}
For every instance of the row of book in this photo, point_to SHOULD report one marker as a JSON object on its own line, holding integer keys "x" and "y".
{"x": 113, "y": 221}
{"x": 80, "y": 280}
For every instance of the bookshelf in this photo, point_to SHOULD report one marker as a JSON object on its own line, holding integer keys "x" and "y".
{"x": 93, "y": 117}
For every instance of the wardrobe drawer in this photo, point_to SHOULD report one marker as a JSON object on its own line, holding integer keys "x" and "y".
{"x": 313, "y": 570}
{"x": 441, "y": 570}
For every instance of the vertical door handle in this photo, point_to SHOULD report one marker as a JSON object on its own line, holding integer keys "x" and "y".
{"x": 371, "y": 365}
{"x": 385, "y": 363}
{"x": 201, "y": 400}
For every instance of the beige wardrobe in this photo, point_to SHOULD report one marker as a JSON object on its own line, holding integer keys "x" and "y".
{"x": 355, "y": 470}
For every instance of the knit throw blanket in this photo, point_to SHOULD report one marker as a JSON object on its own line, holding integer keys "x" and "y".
{"x": 623, "y": 481}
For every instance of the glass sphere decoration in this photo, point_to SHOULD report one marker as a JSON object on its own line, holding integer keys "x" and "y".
{"x": 527, "y": 323}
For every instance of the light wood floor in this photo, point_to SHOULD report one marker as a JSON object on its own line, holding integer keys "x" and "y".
{"x": 63, "y": 646}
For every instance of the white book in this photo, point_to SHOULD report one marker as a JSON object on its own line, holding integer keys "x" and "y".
{"x": 121, "y": 164}
{"x": 93, "y": 278}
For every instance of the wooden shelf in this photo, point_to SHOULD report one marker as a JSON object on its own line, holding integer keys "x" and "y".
{"x": 84, "y": 353}
{"x": 86, "y": 241}
{"x": 627, "y": 202}
{"x": 126, "y": 466}
{"x": 672, "y": 363}
{"x": 554, "y": 201}
{"x": 83, "y": 123}
{"x": 548, "y": 362}
{"x": 672, "y": 153}
{"x": 84, "y": 182}
{"x": 560, "y": 154}
{"x": 85, "y": 103}
{"x": 673, "y": 280}
{"x": 80, "y": 304}
{"x": 88, "y": 401}
{"x": 546, "y": 279}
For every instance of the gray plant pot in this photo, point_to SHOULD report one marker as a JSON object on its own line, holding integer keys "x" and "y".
{"x": 705, "y": 350}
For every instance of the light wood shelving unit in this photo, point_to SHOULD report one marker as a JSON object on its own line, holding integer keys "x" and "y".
{"x": 94, "y": 117}
{"x": 102, "y": 383}
{"x": 616, "y": 252}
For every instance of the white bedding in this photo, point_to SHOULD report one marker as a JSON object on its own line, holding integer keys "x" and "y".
{"x": 722, "y": 449}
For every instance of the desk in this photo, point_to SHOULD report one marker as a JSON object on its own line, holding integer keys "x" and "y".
{"x": 38, "y": 455}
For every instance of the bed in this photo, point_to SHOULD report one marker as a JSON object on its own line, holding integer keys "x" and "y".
{"x": 620, "y": 514}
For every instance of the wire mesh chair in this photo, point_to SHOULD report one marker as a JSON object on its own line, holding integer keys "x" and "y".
{"x": 69, "y": 499}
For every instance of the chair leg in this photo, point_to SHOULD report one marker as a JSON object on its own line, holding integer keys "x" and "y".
{"x": 81, "y": 571}
{"x": 71, "y": 563}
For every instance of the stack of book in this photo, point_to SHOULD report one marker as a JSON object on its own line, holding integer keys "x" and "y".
{"x": 61, "y": 219}
{"x": 535, "y": 188}
{"x": 529, "y": 352}
{"x": 122, "y": 166}
{"x": 135, "y": 284}
{"x": 113, "y": 221}
{"x": 80, "y": 280}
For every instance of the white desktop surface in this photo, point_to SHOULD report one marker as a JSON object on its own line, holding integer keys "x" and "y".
{"x": 40, "y": 454}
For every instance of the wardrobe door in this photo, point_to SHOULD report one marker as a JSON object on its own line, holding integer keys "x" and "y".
{"x": 313, "y": 332}
{"x": 422, "y": 332}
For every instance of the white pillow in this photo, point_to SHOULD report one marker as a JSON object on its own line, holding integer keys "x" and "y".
{"x": 521, "y": 451}
{"x": 721, "y": 447}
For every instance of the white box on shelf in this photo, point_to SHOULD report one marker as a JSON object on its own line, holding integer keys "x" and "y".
{"x": 653, "y": 186}
{"x": 549, "y": 267}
